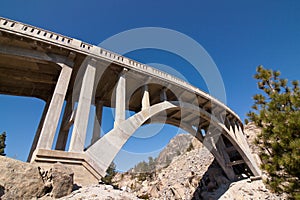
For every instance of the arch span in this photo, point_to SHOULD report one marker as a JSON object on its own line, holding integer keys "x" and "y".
{"x": 105, "y": 149}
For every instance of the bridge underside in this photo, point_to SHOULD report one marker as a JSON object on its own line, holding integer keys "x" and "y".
{"x": 60, "y": 74}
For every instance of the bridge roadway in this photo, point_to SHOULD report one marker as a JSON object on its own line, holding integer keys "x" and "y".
{"x": 57, "y": 69}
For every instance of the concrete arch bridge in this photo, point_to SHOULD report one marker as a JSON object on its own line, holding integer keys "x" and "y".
{"x": 61, "y": 70}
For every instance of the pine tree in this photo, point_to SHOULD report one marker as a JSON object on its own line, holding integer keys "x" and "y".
{"x": 110, "y": 173}
{"x": 277, "y": 112}
{"x": 2, "y": 143}
{"x": 151, "y": 164}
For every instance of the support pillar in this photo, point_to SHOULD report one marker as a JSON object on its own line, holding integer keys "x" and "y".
{"x": 120, "y": 111}
{"x": 145, "y": 98}
{"x": 65, "y": 126}
{"x": 163, "y": 95}
{"x": 38, "y": 132}
{"x": 55, "y": 107}
{"x": 199, "y": 135}
{"x": 97, "y": 122}
{"x": 83, "y": 110}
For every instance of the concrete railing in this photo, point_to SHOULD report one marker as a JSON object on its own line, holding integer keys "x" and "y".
{"x": 92, "y": 50}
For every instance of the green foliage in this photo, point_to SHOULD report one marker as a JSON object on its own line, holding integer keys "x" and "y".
{"x": 151, "y": 164}
{"x": 144, "y": 166}
{"x": 2, "y": 143}
{"x": 145, "y": 169}
{"x": 277, "y": 112}
{"x": 110, "y": 173}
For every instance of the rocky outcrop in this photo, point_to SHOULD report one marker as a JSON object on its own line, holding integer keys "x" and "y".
{"x": 195, "y": 175}
{"x": 19, "y": 180}
{"x": 180, "y": 179}
{"x": 177, "y": 181}
{"x": 62, "y": 180}
{"x": 178, "y": 145}
{"x": 251, "y": 131}
{"x": 247, "y": 189}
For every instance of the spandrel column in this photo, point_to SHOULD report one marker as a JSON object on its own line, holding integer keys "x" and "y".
{"x": 120, "y": 111}
{"x": 83, "y": 109}
{"x": 55, "y": 108}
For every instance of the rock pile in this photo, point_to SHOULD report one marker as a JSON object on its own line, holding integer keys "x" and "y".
{"x": 248, "y": 190}
{"x": 195, "y": 175}
{"x": 177, "y": 181}
{"x": 100, "y": 192}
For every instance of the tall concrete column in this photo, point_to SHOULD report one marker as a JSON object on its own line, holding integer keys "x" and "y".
{"x": 97, "y": 122}
{"x": 163, "y": 94}
{"x": 65, "y": 126}
{"x": 199, "y": 135}
{"x": 83, "y": 110}
{"x": 145, "y": 98}
{"x": 55, "y": 107}
{"x": 120, "y": 111}
{"x": 39, "y": 129}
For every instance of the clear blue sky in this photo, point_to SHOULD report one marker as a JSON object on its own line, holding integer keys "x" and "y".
{"x": 238, "y": 35}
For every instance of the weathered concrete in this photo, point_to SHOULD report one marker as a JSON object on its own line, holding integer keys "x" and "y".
{"x": 97, "y": 122}
{"x": 83, "y": 110}
{"x": 146, "y": 98}
{"x": 38, "y": 132}
{"x": 112, "y": 142}
{"x": 120, "y": 112}
{"x": 85, "y": 172}
{"x": 163, "y": 95}
{"x": 67, "y": 121}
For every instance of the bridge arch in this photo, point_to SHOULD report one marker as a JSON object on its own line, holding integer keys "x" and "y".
{"x": 111, "y": 143}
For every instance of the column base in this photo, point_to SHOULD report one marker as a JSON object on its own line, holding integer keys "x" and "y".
{"x": 86, "y": 172}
